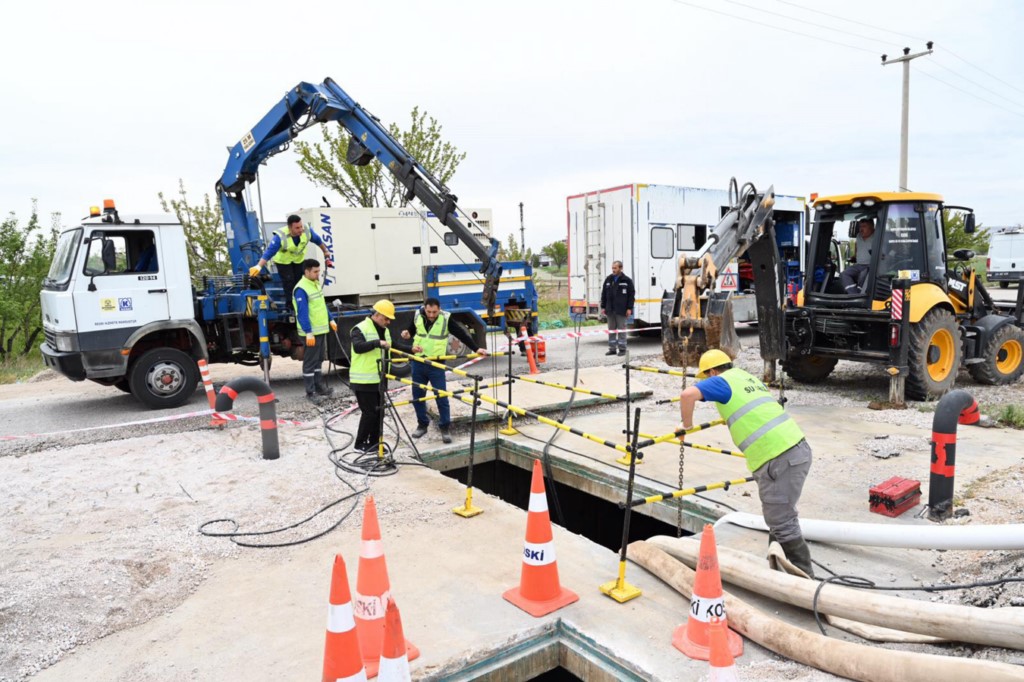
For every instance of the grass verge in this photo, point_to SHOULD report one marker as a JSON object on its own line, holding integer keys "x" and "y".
{"x": 20, "y": 368}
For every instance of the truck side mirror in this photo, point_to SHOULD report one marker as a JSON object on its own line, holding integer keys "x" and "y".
{"x": 852, "y": 232}
{"x": 969, "y": 224}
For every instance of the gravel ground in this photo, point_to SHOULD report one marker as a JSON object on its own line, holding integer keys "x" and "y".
{"x": 98, "y": 540}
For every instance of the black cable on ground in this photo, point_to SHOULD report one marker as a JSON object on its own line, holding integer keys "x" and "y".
{"x": 546, "y": 453}
{"x": 865, "y": 584}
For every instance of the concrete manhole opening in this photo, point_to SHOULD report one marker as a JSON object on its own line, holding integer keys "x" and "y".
{"x": 597, "y": 518}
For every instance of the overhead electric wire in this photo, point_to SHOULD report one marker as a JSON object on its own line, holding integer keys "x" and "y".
{"x": 809, "y": 23}
{"x": 976, "y": 84}
{"x": 925, "y": 73}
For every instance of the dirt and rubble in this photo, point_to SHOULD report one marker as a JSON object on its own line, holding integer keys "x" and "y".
{"x": 99, "y": 540}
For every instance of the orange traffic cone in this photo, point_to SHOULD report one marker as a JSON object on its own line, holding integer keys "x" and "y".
{"x": 529, "y": 350}
{"x": 394, "y": 664}
{"x": 692, "y": 638}
{"x": 342, "y": 659}
{"x": 723, "y": 668}
{"x": 211, "y": 395}
{"x": 539, "y": 592}
{"x": 372, "y": 592}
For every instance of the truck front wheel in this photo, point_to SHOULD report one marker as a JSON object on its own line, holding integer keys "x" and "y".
{"x": 163, "y": 378}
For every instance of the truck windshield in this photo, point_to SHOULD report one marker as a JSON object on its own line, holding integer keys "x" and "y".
{"x": 64, "y": 258}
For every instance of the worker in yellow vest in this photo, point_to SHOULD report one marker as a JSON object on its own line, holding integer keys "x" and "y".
{"x": 371, "y": 343}
{"x": 773, "y": 444}
{"x": 287, "y": 248}
{"x": 313, "y": 322}
{"x": 429, "y": 331}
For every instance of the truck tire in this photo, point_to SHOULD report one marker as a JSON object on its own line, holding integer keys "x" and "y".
{"x": 163, "y": 377}
{"x": 1003, "y": 358}
{"x": 809, "y": 369}
{"x": 1004, "y": 285}
{"x": 933, "y": 356}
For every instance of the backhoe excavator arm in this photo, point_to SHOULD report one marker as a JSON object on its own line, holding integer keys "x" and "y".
{"x": 307, "y": 104}
{"x": 697, "y": 318}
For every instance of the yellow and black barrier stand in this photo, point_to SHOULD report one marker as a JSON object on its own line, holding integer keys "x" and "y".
{"x": 468, "y": 510}
{"x": 695, "y": 446}
{"x": 509, "y": 430}
{"x": 619, "y": 589}
{"x": 439, "y": 365}
{"x": 721, "y": 485}
{"x": 671, "y": 438}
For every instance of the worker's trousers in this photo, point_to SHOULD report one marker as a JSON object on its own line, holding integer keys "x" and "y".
{"x": 779, "y": 484}
{"x": 854, "y": 277}
{"x": 369, "y": 398}
{"x": 616, "y": 321}
{"x": 434, "y": 376}
{"x": 312, "y": 362}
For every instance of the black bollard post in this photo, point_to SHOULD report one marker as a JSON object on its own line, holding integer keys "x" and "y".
{"x": 955, "y": 407}
{"x": 268, "y": 411}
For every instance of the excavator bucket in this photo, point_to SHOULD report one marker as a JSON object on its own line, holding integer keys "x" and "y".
{"x": 685, "y": 338}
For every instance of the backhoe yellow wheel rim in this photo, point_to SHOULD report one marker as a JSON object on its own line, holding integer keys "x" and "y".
{"x": 942, "y": 340}
{"x": 1009, "y": 356}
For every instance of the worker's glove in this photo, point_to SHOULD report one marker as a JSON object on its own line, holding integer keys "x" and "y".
{"x": 328, "y": 262}
{"x": 334, "y": 326}
{"x": 254, "y": 271}
{"x": 310, "y": 340}
{"x": 405, "y": 334}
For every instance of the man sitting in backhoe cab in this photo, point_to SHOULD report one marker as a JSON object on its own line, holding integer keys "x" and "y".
{"x": 856, "y": 273}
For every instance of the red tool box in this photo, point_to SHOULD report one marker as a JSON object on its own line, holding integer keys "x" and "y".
{"x": 895, "y": 496}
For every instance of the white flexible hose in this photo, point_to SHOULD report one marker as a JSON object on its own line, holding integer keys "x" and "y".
{"x": 1007, "y": 536}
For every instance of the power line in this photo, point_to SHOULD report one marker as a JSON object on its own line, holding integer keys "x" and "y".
{"x": 978, "y": 85}
{"x": 905, "y": 35}
{"x": 810, "y": 23}
{"x": 969, "y": 94}
{"x": 777, "y": 28}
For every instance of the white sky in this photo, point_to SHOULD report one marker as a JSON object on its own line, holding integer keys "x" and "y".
{"x": 547, "y": 98}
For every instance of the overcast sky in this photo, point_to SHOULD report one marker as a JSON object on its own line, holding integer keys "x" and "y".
{"x": 547, "y": 98}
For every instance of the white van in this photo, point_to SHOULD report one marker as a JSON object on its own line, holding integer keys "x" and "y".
{"x": 1005, "y": 262}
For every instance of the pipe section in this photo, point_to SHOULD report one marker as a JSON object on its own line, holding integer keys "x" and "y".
{"x": 268, "y": 412}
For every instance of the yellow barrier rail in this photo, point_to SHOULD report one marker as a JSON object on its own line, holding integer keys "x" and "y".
{"x": 416, "y": 358}
{"x": 575, "y": 389}
{"x": 721, "y": 485}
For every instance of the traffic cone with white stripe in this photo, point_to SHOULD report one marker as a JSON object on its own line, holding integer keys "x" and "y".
{"x": 693, "y": 638}
{"x": 723, "y": 668}
{"x": 394, "y": 664}
{"x": 372, "y": 592}
{"x": 539, "y": 592}
{"x": 343, "y": 661}
{"x": 211, "y": 395}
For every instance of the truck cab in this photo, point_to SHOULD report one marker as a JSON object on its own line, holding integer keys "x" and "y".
{"x": 119, "y": 288}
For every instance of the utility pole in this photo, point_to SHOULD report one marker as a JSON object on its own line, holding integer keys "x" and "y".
{"x": 522, "y": 232}
{"x": 905, "y": 124}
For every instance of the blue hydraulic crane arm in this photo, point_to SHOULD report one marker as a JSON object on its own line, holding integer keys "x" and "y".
{"x": 302, "y": 106}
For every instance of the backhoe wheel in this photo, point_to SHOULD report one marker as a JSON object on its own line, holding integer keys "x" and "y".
{"x": 163, "y": 378}
{"x": 809, "y": 369}
{"x": 933, "y": 355}
{"x": 1004, "y": 358}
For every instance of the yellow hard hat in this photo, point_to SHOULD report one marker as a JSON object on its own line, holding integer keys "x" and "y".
{"x": 385, "y": 308}
{"x": 711, "y": 359}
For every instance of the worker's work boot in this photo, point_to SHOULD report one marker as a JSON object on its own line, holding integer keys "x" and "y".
{"x": 446, "y": 435}
{"x": 325, "y": 391}
{"x": 421, "y": 430}
{"x": 314, "y": 398}
{"x": 799, "y": 554}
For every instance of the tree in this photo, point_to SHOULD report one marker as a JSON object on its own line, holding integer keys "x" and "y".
{"x": 205, "y": 240}
{"x": 512, "y": 251}
{"x": 324, "y": 162}
{"x": 24, "y": 262}
{"x": 956, "y": 238}
{"x": 558, "y": 252}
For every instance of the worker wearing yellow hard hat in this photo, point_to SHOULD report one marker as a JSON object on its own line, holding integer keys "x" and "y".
{"x": 773, "y": 444}
{"x": 371, "y": 343}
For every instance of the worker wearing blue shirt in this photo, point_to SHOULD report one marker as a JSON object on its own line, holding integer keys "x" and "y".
{"x": 313, "y": 321}
{"x": 774, "y": 446}
{"x": 147, "y": 259}
{"x": 287, "y": 248}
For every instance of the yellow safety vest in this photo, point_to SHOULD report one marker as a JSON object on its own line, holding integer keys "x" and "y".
{"x": 318, "y": 317}
{"x": 364, "y": 368}
{"x": 757, "y": 423}
{"x": 290, "y": 252}
{"x": 434, "y": 342}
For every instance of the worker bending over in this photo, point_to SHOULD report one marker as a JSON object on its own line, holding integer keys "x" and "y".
{"x": 287, "y": 248}
{"x": 773, "y": 444}
{"x": 429, "y": 330}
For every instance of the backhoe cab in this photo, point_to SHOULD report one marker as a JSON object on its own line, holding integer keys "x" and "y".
{"x": 951, "y": 320}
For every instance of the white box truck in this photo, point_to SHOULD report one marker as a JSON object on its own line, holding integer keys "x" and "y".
{"x": 1005, "y": 262}
{"x": 648, "y": 227}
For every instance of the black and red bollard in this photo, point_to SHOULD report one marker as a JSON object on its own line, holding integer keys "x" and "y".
{"x": 955, "y": 407}
{"x": 268, "y": 413}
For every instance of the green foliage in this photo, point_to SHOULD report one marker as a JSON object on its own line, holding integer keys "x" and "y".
{"x": 558, "y": 252}
{"x": 511, "y": 250}
{"x": 325, "y": 162}
{"x": 205, "y": 240}
{"x": 1011, "y": 415}
{"x": 956, "y": 238}
{"x": 25, "y": 252}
